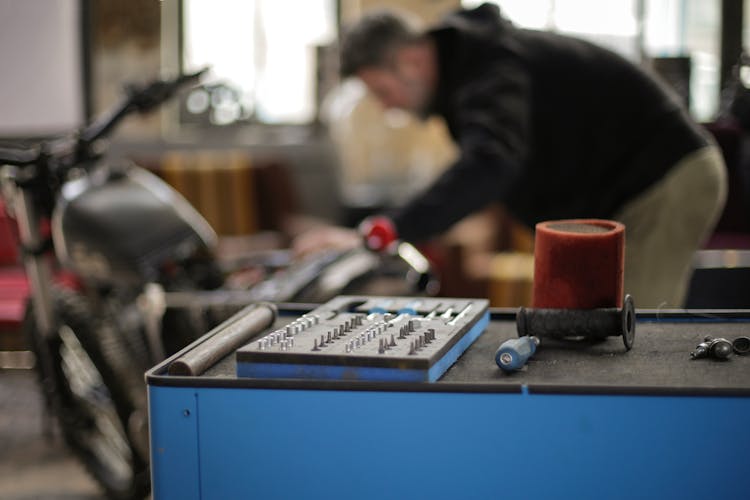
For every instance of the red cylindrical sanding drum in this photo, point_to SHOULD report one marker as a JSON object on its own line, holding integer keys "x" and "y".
{"x": 578, "y": 264}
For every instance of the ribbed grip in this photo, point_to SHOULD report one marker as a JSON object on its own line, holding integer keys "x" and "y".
{"x": 588, "y": 323}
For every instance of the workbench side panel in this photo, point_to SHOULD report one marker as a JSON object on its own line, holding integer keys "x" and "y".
{"x": 267, "y": 443}
{"x": 175, "y": 452}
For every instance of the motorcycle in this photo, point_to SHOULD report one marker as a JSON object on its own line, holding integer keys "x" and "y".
{"x": 123, "y": 272}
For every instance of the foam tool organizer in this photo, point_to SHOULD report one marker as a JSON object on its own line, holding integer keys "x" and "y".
{"x": 368, "y": 338}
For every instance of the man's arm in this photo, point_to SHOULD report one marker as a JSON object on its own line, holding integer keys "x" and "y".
{"x": 492, "y": 123}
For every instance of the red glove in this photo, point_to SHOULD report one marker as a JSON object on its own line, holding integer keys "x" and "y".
{"x": 378, "y": 232}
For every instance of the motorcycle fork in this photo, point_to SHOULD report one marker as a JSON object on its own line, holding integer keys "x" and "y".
{"x": 39, "y": 275}
{"x": 36, "y": 264}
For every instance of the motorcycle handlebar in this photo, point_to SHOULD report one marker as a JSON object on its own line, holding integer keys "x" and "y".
{"x": 138, "y": 98}
{"x": 18, "y": 157}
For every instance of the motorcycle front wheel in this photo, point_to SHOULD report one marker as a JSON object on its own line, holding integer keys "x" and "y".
{"x": 96, "y": 392}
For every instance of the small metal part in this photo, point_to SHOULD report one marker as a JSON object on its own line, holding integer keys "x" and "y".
{"x": 381, "y": 346}
{"x": 328, "y": 338}
{"x": 701, "y": 351}
{"x": 411, "y": 348}
{"x": 720, "y": 348}
{"x": 322, "y": 340}
{"x": 315, "y": 345}
{"x": 392, "y": 343}
{"x": 260, "y": 345}
{"x": 335, "y": 332}
{"x": 712, "y": 348}
{"x": 741, "y": 345}
{"x": 348, "y": 348}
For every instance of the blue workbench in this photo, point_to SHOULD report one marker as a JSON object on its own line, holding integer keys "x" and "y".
{"x": 583, "y": 420}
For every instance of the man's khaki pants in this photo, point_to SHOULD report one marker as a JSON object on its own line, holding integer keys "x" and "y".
{"x": 665, "y": 225}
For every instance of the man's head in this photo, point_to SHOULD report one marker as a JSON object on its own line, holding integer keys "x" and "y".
{"x": 393, "y": 58}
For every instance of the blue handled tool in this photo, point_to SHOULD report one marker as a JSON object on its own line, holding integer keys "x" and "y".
{"x": 514, "y": 353}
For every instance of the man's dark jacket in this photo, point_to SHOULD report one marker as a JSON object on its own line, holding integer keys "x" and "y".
{"x": 550, "y": 126}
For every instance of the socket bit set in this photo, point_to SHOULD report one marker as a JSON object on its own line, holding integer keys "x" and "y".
{"x": 369, "y": 338}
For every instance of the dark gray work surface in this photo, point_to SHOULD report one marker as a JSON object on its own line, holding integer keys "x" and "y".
{"x": 659, "y": 363}
{"x": 660, "y": 358}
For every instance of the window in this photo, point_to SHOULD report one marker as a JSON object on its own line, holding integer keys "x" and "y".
{"x": 262, "y": 55}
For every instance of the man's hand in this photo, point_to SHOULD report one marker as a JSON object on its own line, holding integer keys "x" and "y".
{"x": 326, "y": 238}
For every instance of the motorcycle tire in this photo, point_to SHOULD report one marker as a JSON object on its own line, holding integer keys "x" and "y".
{"x": 96, "y": 392}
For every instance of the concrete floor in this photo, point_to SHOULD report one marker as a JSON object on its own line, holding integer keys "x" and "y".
{"x": 35, "y": 464}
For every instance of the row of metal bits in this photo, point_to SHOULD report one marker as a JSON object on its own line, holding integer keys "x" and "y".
{"x": 302, "y": 323}
{"x": 359, "y": 341}
{"x": 429, "y": 335}
{"x": 325, "y": 338}
{"x": 350, "y": 324}
{"x": 408, "y": 328}
{"x": 275, "y": 337}
{"x": 421, "y": 341}
{"x": 366, "y": 336}
{"x": 286, "y": 344}
{"x": 344, "y": 328}
{"x": 384, "y": 345}
{"x": 403, "y": 332}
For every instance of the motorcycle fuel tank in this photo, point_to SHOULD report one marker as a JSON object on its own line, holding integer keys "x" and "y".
{"x": 121, "y": 225}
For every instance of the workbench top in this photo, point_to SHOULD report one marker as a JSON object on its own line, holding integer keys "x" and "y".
{"x": 658, "y": 364}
